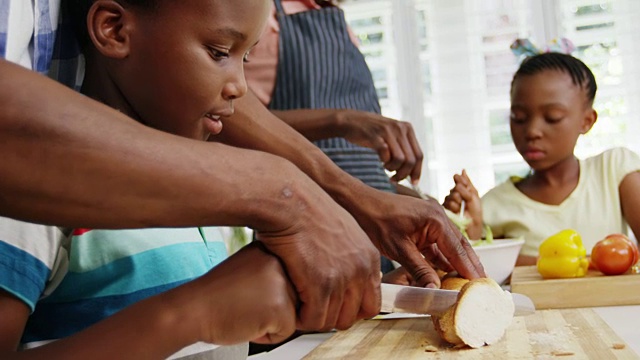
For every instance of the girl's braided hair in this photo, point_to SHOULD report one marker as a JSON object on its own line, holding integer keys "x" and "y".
{"x": 580, "y": 73}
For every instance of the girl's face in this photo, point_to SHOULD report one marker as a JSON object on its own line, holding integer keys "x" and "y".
{"x": 184, "y": 64}
{"x": 548, "y": 114}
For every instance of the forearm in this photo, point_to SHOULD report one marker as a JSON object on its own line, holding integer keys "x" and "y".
{"x": 314, "y": 124}
{"x": 403, "y": 190}
{"x": 71, "y": 161}
{"x": 254, "y": 127}
{"x": 152, "y": 329}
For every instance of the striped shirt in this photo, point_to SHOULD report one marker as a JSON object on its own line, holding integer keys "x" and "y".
{"x": 34, "y": 34}
{"x": 81, "y": 279}
{"x": 74, "y": 280}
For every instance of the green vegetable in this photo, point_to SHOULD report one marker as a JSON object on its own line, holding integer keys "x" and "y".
{"x": 462, "y": 222}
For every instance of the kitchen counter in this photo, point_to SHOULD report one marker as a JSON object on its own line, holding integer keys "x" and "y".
{"x": 623, "y": 320}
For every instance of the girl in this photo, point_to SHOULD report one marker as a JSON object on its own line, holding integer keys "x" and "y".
{"x": 551, "y": 106}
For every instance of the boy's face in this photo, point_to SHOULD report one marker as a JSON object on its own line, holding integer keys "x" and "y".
{"x": 548, "y": 114}
{"x": 184, "y": 64}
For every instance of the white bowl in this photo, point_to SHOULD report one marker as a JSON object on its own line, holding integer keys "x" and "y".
{"x": 499, "y": 258}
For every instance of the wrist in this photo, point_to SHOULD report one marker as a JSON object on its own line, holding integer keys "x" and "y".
{"x": 340, "y": 121}
{"x": 474, "y": 230}
{"x": 359, "y": 199}
{"x": 285, "y": 188}
{"x": 177, "y": 313}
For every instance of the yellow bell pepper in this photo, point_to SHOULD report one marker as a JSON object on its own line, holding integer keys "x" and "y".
{"x": 563, "y": 256}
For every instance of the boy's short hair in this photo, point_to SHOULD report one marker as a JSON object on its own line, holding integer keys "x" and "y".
{"x": 580, "y": 73}
{"x": 77, "y": 10}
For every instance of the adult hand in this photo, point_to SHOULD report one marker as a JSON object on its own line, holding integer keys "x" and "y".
{"x": 398, "y": 276}
{"x": 415, "y": 233}
{"x": 393, "y": 140}
{"x": 464, "y": 190}
{"x": 331, "y": 262}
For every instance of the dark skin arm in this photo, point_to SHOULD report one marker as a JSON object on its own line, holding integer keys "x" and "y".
{"x": 393, "y": 140}
{"x": 402, "y": 228}
{"x": 86, "y": 152}
{"x": 247, "y": 297}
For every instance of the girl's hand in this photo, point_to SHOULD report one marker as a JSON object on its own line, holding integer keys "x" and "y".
{"x": 464, "y": 190}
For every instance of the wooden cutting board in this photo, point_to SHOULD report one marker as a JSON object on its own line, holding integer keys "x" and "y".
{"x": 548, "y": 334}
{"x": 595, "y": 289}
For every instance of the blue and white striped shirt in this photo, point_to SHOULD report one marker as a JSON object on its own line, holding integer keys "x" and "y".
{"x": 59, "y": 277}
{"x": 33, "y": 34}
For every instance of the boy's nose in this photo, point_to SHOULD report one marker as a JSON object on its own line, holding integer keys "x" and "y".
{"x": 236, "y": 87}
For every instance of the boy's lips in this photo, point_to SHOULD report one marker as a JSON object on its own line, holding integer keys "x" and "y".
{"x": 212, "y": 116}
{"x": 212, "y": 123}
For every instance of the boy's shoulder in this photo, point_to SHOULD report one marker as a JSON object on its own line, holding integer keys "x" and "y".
{"x": 31, "y": 256}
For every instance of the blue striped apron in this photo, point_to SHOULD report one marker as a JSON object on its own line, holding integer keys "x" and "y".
{"x": 319, "y": 67}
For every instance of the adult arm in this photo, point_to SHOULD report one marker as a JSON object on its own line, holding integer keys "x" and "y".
{"x": 245, "y": 298}
{"x": 403, "y": 190}
{"x": 71, "y": 161}
{"x": 393, "y": 140}
{"x": 402, "y": 227}
{"x": 65, "y": 156}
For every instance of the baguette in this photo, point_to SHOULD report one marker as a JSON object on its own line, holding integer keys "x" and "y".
{"x": 480, "y": 316}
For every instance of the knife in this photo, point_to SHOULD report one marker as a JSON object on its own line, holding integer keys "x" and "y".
{"x": 417, "y": 300}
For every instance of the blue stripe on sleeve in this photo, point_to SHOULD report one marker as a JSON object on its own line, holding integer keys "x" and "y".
{"x": 44, "y": 37}
{"x": 58, "y": 320}
{"x": 4, "y": 26}
{"x": 21, "y": 274}
{"x": 147, "y": 269}
{"x": 3, "y": 45}
{"x": 43, "y": 51}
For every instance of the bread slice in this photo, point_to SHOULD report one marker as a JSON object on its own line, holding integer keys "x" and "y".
{"x": 480, "y": 316}
{"x": 453, "y": 283}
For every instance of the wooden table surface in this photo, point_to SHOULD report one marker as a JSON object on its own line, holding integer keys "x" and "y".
{"x": 547, "y": 334}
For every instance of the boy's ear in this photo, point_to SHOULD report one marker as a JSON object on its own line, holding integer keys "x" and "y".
{"x": 589, "y": 120}
{"x": 109, "y": 26}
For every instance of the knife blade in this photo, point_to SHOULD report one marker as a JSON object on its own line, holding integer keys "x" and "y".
{"x": 417, "y": 300}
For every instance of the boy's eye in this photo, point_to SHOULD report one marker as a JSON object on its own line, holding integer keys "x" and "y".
{"x": 218, "y": 55}
{"x": 553, "y": 120}
{"x": 245, "y": 58}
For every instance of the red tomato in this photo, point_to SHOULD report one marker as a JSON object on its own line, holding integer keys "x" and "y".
{"x": 614, "y": 255}
{"x": 633, "y": 244}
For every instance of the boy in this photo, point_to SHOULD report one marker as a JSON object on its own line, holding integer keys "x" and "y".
{"x": 97, "y": 273}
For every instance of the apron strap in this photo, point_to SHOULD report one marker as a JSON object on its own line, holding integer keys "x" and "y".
{"x": 279, "y": 8}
